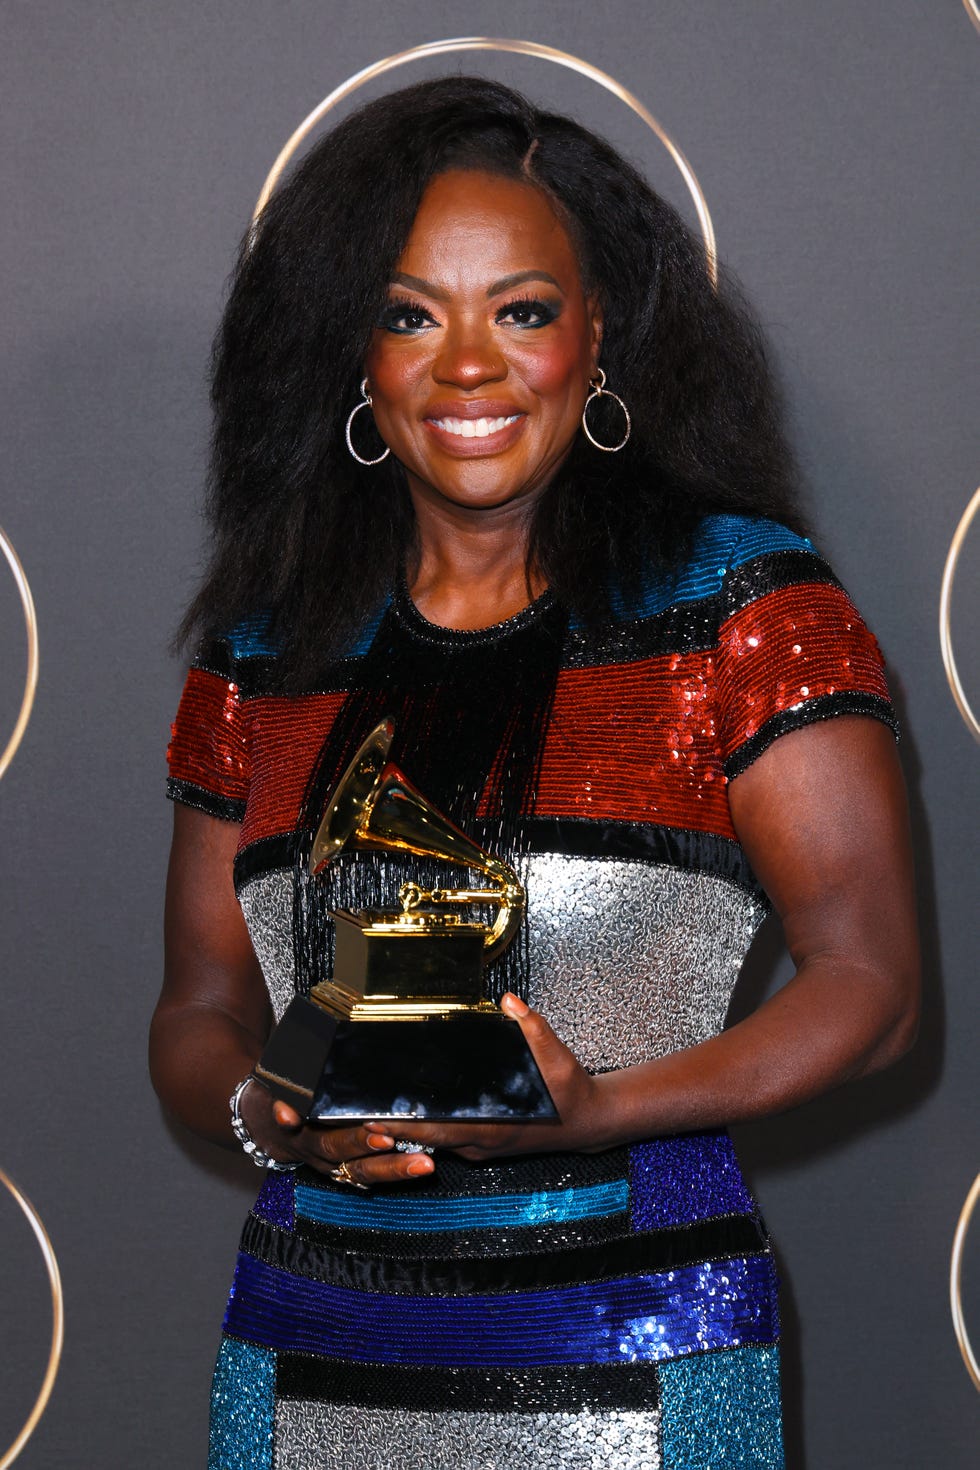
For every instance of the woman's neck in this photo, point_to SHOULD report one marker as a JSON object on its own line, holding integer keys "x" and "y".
{"x": 471, "y": 572}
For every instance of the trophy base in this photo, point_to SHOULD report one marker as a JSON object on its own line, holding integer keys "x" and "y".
{"x": 472, "y": 1065}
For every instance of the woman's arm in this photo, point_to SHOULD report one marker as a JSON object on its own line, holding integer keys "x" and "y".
{"x": 822, "y": 817}
{"x": 213, "y": 1017}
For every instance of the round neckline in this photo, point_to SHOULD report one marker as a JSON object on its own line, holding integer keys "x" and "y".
{"x": 418, "y": 624}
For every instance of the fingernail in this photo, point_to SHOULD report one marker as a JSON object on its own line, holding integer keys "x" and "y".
{"x": 421, "y": 1164}
{"x": 380, "y": 1140}
{"x": 514, "y": 1004}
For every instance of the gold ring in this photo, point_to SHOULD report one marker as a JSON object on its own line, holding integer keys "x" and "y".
{"x": 955, "y": 1292}
{"x": 342, "y": 1175}
{"x": 945, "y": 605}
{"x": 57, "y": 1325}
{"x": 519, "y": 48}
{"x": 30, "y": 683}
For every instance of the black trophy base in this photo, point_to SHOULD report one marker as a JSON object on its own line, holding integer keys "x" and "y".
{"x": 468, "y": 1065}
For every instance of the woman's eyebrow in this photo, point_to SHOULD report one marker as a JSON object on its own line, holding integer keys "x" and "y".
{"x": 416, "y": 283}
{"x": 507, "y": 283}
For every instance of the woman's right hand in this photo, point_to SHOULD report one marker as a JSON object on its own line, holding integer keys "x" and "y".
{"x": 366, "y": 1149}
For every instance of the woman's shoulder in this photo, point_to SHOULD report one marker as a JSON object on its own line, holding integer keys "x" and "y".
{"x": 222, "y": 652}
{"x": 729, "y": 560}
{"x": 250, "y": 653}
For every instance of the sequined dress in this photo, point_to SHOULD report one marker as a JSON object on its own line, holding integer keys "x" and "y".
{"x": 613, "y": 1310}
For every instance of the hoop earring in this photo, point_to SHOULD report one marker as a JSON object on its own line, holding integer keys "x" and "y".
{"x": 597, "y": 388}
{"x": 366, "y": 402}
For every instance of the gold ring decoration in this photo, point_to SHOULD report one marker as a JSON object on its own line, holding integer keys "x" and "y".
{"x": 973, "y": 11}
{"x": 341, "y": 1174}
{"x": 519, "y": 48}
{"x": 945, "y": 603}
{"x": 57, "y": 1325}
{"x": 955, "y": 1293}
{"x": 30, "y": 683}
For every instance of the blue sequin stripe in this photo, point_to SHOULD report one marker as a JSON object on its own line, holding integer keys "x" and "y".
{"x": 544, "y": 1207}
{"x": 648, "y": 1318}
{"x": 250, "y": 638}
{"x": 722, "y": 542}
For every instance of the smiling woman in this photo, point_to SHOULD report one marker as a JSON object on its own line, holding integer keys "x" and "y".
{"x": 484, "y": 352}
{"x": 632, "y": 677}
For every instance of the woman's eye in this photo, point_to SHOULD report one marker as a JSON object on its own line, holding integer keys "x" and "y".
{"x": 399, "y": 317}
{"x": 527, "y": 313}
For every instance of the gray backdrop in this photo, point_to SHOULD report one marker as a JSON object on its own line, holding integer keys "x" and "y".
{"x": 836, "y": 145}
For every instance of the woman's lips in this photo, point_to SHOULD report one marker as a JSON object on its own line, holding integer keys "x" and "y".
{"x": 474, "y": 436}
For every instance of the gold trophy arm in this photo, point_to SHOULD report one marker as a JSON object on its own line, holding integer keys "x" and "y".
{"x": 508, "y": 900}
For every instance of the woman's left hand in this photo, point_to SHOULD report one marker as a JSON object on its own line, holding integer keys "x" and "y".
{"x": 573, "y": 1089}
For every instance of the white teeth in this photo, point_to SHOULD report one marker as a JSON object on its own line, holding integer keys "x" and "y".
{"x": 475, "y": 428}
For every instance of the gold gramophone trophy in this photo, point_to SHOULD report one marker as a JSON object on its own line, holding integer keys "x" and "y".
{"x": 403, "y": 1028}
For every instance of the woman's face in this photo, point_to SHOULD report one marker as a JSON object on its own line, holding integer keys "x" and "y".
{"x": 480, "y": 364}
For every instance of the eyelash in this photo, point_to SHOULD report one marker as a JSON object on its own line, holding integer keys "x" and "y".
{"x": 396, "y": 310}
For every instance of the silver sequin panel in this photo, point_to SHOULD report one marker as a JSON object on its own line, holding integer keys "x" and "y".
{"x": 341, "y": 1437}
{"x": 632, "y": 960}
{"x": 267, "y": 903}
{"x": 629, "y": 960}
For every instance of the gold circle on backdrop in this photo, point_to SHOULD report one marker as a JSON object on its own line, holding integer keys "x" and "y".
{"x": 30, "y": 682}
{"x": 57, "y": 1322}
{"x": 973, "y": 11}
{"x": 955, "y": 1273}
{"x": 945, "y": 606}
{"x": 519, "y": 48}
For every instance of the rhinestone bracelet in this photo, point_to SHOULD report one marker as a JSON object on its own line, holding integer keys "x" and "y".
{"x": 259, "y": 1157}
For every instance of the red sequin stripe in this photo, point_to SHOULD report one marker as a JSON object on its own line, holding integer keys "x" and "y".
{"x": 285, "y": 736}
{"x": 207, "y": 742}
{"x": 637, "y": 742}
{"x": 787, "y": 648}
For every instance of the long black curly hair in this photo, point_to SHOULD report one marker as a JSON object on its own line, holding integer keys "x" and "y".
{"x": 307, "y": 538}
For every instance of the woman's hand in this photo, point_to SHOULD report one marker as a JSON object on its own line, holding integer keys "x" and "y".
{"x": 575, "y": 1094}
{"x": 367, "y": 1149}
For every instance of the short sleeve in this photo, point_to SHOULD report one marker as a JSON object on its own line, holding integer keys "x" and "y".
{"x": 792, "y": 648}
{"x": 208, "y": 752}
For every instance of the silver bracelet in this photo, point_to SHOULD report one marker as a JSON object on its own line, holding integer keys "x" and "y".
{"x": 259, "y": 1157}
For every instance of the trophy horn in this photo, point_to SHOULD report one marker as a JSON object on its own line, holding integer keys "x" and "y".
{"x": 376, "y": 808}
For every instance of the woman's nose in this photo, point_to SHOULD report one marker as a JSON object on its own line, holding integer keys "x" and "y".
{"x": 468, "y": 358}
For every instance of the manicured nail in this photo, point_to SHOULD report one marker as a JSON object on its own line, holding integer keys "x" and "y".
{"x": 380, "y": 1140}
{"x": 514, "y": 1004}
{"x": 421, "y": 1164}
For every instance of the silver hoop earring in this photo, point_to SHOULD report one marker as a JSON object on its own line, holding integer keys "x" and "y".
{"x": 598, "y": 389}
{"x": 365, "y": 403}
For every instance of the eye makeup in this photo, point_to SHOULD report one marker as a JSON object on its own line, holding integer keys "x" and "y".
{"x": 407, "y": 317}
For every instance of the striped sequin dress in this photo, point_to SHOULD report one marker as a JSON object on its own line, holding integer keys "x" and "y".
{"x": 613, "y": 1310}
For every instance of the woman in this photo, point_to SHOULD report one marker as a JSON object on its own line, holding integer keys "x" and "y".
{"x": 629, "y": 673}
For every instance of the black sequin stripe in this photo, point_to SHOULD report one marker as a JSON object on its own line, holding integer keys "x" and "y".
{"x": 824, "y": 707}
{"x": 205, "y": 801}
{"x": 214, "y": 656}
{"x": 267, "y": 855}
{"x": 770, "y": 572}
{"x": 675, "y": 847}
{"x": 631, "y": 1255}
{"x": 509, "y": 1240}
{"x": 686, "y": 627}
{"x": 439, "y": 1390}
{"x": 256, "y": 678}
{"x": 523, "y": 1174}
